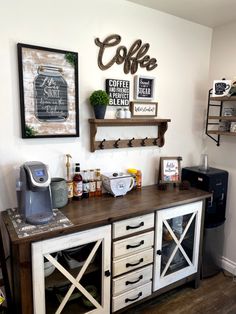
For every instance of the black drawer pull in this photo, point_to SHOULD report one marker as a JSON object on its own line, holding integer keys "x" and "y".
{"x": 133, "y": 282}
{"x": 135, "y": 227}
{"x": 129, "y": 246}
{"x": 130, "y": 300}
{"x": 135, "y": 264}
{"x": 159, "y": 252}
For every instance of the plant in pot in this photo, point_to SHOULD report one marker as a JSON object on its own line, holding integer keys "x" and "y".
{"x": 99, "y": 100}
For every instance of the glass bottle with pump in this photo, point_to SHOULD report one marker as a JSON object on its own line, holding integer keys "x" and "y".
{"x": 77, "y": 183}
{"x": 98, "y": 182}
{"x": 92, "y": 183}
{"x": 85, "y": 184}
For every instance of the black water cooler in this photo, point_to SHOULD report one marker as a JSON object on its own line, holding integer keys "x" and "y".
{"x": 215, "y": 181}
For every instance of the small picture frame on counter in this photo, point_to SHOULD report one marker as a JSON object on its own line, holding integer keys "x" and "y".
{"x": 170, "y": 170}
{"x": 141, "y": 109}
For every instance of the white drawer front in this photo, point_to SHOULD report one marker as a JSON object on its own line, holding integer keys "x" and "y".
{"x": 129, "y": 226}
{"x": 133, "y": 280}
{"x": 134, "y": 261}
{"x": 133, "y": 244}
{"x": 130, "y": 297}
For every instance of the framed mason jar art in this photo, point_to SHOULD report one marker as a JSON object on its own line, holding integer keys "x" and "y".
{"x": 48, "y": 80}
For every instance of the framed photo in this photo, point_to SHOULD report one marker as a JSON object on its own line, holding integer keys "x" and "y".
{"x": 144, "y": 87}
{"x": 170, "y": 171}
{"x": 221, "y": 88}
{"x": 143, "y": 109}
{"x": 118, "y": 91}
{"x": 48, "y": 80}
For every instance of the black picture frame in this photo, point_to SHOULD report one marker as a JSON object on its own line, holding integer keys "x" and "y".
{"x": 48, "y": 83}
{"x": 170, "y": 170}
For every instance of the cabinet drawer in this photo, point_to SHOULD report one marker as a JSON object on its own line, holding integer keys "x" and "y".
{"x": 133, "y": 280}
{"x": 132, "y": 225}
{"x": 134, "y": 261}
{"x": 130, "y": 297}
{"x": 133, "y": 244}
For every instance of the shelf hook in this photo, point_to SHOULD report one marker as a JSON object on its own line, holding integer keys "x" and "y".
{"x": 155, "y": 141}
{"x": 143, "y": 141}
{"x": 116, "y": 144}
{"x": 130, "y": 144}
{"x": 102, "y": 144}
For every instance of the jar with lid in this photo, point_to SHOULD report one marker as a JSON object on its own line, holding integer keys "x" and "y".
{"x": 139, "y": 179}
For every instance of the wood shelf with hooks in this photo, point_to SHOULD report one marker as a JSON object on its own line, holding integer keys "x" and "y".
{"x": 159, "y": 141}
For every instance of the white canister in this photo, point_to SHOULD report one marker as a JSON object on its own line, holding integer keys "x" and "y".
{"x": 120, "y": 113}
{"x": 127, "y": 113}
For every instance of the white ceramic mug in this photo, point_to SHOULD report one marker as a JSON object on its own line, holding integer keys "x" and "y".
{"x": 120, "y": 113}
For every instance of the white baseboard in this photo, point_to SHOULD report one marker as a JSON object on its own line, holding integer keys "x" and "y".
{"x": 228, "y": 265}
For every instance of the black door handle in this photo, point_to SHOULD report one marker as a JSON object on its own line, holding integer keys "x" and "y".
{"x": 135, "y": 281}
{"x": 135, "y": 227}
{"x": 129, "y": 246}
{"x": 107, "y": 273}
{"x": 130, "y": 300}
{"x": 159, "y": 252}
{"x": 135, "y": 264}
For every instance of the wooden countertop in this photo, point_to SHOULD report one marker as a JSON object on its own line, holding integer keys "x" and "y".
{"x": 98, "y": 211}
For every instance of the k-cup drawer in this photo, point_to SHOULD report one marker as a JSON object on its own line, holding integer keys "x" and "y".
{"x": 132, "y": 225}
{"x": 131, "y": 296}
{"x": 123, "y": 265}
{"x": 133, "y": 244}
{"x": 132, "y": 280}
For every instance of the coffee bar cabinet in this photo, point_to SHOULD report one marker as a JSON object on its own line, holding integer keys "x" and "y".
{"x": 80, "y": 278}
{"x": 117, "y": 253}
{"x": 176, "y": 243}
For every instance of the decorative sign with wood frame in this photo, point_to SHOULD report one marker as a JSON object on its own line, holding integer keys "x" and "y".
{"x": 118, "y": 91}
{"x": 143, "y": 109}
{"x": 48, "y": 92}
{"x": 170, "y": 170}
{"x": 144, "y": 87}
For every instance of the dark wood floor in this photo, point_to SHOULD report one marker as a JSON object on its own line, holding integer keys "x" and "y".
{"x": 216, "y": 295}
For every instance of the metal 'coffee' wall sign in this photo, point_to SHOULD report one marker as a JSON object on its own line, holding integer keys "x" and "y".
{"x": 133, "y": 57}
{"x": 118, "y": 91}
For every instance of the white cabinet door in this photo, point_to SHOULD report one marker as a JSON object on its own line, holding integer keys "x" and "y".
{"x": 177, "y": 239}
{"x": 71, "y": 273}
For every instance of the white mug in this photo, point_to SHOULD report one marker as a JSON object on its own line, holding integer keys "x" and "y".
{"x": 120, "y": 113}
{"x": 127, "y": 114}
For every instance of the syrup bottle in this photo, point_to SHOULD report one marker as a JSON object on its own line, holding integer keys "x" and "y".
{"x": 77, "y": 183}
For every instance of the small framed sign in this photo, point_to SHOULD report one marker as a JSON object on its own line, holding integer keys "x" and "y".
{"x": 170, "y": 169}
{"x": 143, "y": 109}
{"x": 118, "y": 91}
{"x": 144, "y": 87}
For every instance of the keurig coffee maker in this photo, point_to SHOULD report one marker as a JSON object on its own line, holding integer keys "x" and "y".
{"x": 35, "y": 204}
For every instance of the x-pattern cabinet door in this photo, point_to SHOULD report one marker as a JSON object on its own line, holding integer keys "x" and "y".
{"x": 79, "y": 277}
{"x": 177, "y": 240}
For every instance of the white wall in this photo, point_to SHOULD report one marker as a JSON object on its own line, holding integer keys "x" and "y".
{"x": 182, "y": 50}
{"x": 223, "y": 157}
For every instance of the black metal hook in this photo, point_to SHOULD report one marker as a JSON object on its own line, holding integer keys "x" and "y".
{"x": 130, "y": 144}
{"x": 102, "y": 144}
{"x": 116, "y": 144}
{"x": 155, "y": 141}
{"x": 143, "y": 141}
